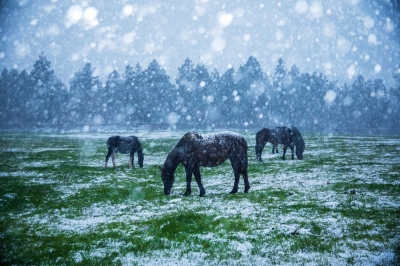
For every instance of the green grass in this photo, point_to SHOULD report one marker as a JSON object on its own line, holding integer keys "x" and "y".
{"x": 58, "y": 205}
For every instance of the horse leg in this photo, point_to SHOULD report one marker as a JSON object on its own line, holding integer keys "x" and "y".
{"x": 113, "y": 159}
{"x": 188, "y": 181}
{"x": 284, "y": 151}
{"x": 243, "y": 171}
{"x": 108, "y": 156}
{"x": 132, "y": 160}
{"x": 236, "y": 165}
{"x": 246, "y": 182}
{"x": 236, "y": 184}
{"x": 292, "y": 148}
{"x": 197, "y": 176}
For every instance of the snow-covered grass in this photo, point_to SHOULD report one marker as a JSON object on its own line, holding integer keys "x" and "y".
{"x": 58, "y": 205}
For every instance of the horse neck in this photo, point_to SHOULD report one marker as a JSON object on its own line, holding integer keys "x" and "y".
{"x": 172, "y": 161}
{"x": 140, "y": 151}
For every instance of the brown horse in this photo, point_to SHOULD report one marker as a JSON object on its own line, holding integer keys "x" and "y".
{"x": 279, "y": 135}
{"x": 288, "y": 136}
{"x": 194, "y": 150}
{"x": 124, "y": 145}
{"x": 263, "y": 136}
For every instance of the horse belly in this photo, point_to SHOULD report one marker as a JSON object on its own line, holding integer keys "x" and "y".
{"x": 212, "y": 158}
{"x": 124, "y": 147}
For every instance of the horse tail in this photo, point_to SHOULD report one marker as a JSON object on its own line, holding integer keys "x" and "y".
{"x": 108, "y": 142}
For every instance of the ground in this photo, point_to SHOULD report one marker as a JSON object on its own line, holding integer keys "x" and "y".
{"x": 58, "y": 205}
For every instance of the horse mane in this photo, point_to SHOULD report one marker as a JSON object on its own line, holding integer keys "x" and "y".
{"x": 112, "y": 141}
{"x": 187, "y": 138}
{"x": 173, "y": 157}
{"x": 264, "y": 133}
{"x": 192, "y": 135}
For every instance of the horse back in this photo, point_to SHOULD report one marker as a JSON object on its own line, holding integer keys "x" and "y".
{"x": 263, "y": 136}
{"x": 217, "y": 148}
{"x": 122, "y": 144}
{"x": 283, "y": 135}
{"x": 210, "y": 149}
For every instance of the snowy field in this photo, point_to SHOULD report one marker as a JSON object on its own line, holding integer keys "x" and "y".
{"x": 59, "y": 206}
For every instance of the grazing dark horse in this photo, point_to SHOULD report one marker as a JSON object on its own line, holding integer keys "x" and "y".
{"x": 194, "y": 150}
{"x": 125, "y": 145}
{"x": 298, "y": 142}
{"x": 279, "y": 135}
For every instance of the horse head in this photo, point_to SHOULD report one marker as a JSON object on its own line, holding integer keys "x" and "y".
{"x": 168, "y": 179}
{"x": 140, "y": 157}
{"x": 300, "y": 147}
{"x": 298, "y": 141}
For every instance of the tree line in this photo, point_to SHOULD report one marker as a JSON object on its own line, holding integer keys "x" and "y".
{"x": 246, "y": 98}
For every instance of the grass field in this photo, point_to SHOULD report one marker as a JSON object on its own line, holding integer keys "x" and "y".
{"x": 59, "y": 206}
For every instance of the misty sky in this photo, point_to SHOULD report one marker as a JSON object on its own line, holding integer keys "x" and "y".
{"x": 341, "y": 39}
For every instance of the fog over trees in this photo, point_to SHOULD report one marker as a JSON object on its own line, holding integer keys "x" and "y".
{"x": 198, "y": 98}
{"x": 323, "y": 66}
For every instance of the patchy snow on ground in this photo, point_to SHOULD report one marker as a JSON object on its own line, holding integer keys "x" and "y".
{"x": 309, "y": 187}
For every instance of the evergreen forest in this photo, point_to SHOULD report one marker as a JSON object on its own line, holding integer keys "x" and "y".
{"x": 199, "y": 99}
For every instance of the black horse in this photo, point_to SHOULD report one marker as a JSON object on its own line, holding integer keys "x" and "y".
{"x": 279, "y": 135}
{"x": 194, "y": 150}
{"x": 125, "y": 145}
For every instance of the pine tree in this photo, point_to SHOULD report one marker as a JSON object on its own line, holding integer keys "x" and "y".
{"x": 213, "y": 102}
{"x": 228, "y": 96}
{"x": 5, "y": 81}
{"x": 84, "y": 104}
{"x": 201, "y": 90}
{"x": 394, "y": 103}
{"x": 186, "y": 83}
{"x": 157, "y": 97}
{"x": 133, "y": 83}
{"x": 279, "y": 74}
{"x": 45, "y": 95}
{"x": 250, "y": 88}
{"x": 18, "y": 98}
{"x": 114, "y": 100}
